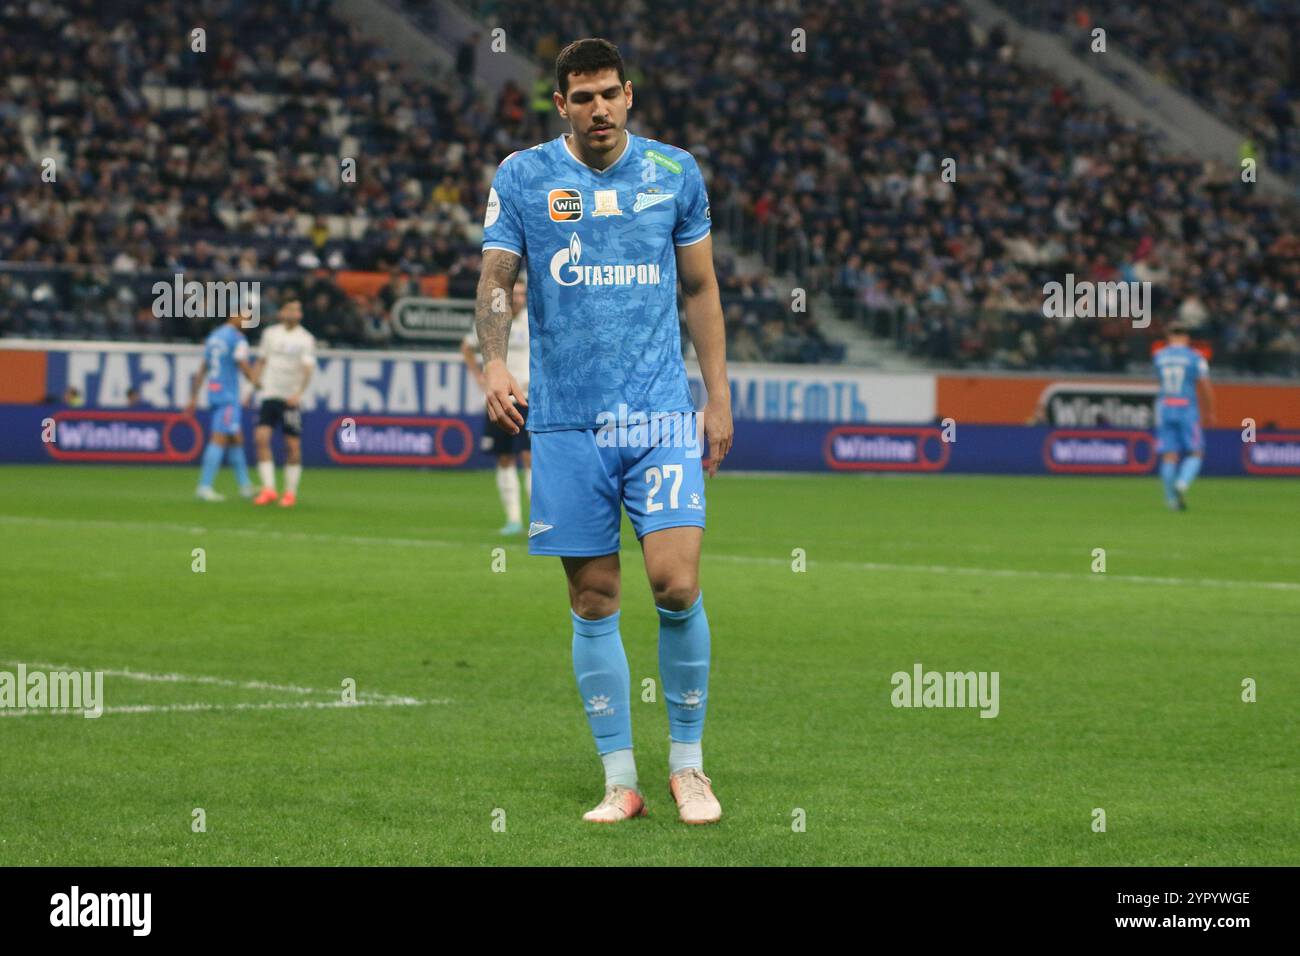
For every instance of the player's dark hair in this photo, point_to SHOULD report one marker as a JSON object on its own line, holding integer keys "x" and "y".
{"x": 587, "y": 56}
{"x": 1178, "y": 328}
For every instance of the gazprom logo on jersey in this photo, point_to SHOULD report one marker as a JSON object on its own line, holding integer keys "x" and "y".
{"x": 872, "y": 448}
{"x": 1091, "y": 452}
{"x": 624, "y": 428}
{"x": 1272, "y": 455}
{"x": 566, "y": 269}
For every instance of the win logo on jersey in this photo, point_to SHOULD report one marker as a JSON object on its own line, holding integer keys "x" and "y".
{"x": 566, "y": 205}
{"x": 623, "y": 273}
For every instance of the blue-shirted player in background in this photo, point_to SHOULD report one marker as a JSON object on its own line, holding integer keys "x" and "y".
{"x": 608, "y": 222}
{"x": 225, "y": 355}
{"x": 1184, "y": 380}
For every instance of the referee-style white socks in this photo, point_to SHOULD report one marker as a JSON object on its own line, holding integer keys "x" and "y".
{"x": 266, "y": 472}
{"x": 620, "y": 768}
{"x": 508, "y": 486}
{"x": 528, "y": 482}
{"x": 292, "y": 475}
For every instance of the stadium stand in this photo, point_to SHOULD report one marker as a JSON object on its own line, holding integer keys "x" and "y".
{"x": 838, "y": 151}
{"x": 227, "y": 163}
{"x": 1237, "y": 60}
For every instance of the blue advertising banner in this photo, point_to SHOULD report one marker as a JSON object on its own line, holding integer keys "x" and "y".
{"x": 46, "y": 433}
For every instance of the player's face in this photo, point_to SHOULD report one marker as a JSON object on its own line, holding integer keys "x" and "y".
{"x": 291, "y": 314}
{"x": 596, "y": 108}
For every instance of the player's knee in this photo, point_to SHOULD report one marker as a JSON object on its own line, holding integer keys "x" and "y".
{"x": 675, "y": 592}
{"x": 593, "y": 603}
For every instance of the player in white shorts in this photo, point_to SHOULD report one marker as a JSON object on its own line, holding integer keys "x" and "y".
{"x": 496, "y": 439}
{"x": 286, "y": 361}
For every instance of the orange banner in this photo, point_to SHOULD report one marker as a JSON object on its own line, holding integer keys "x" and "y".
{"x": 990, "y": 400}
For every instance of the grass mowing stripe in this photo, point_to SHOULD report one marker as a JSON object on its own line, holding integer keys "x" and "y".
{"x": 326, "y": 538}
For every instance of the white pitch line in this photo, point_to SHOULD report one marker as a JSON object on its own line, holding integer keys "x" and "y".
{"x": 1025, "y": 573}
{"x": 186, "y": 708}
{"x": 213, "y": 681}
{"x": 712, "y": 556}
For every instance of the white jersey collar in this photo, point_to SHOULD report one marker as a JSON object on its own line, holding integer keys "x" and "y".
{"x": 564, "y": 145}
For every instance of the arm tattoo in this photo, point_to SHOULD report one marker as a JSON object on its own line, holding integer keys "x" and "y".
{"x": 492, "y": 308}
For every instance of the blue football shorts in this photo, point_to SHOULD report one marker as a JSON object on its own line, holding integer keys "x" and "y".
{"x": 226, "y": 419}
{"x": 1179, "y": 430}
{"x": 581, "y": 476}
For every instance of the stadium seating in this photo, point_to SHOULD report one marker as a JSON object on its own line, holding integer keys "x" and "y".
{"x": 837, "y": 152}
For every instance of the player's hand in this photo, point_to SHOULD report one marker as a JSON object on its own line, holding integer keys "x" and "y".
{"x": 719, "y": 432}
{"x": 500, "y": 387}
{"x": 293, "y": 400}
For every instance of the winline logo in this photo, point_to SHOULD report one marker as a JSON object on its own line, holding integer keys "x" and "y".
{"x": 62, "y": 691}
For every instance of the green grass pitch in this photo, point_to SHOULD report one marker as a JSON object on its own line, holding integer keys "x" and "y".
{"x": 1120, "y": 691}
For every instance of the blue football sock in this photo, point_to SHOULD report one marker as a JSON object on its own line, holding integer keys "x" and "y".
{"x": 1187, "y": 472}
{"x": 211, "y": 462}
{"x": 600, "y": 665}
{"x": 1168, "y": 469}
{"x": 684, "y": 669}
{"x": 235, "y": 456}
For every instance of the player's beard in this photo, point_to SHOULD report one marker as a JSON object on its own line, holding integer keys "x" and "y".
{"x": 603, "y": 144}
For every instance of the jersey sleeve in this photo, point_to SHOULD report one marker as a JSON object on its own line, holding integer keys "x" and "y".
{"x": 241, "y": 352}
{"x": 693, "y": 222}
{"x": 309, "y": 353}
{"x": 503, "y": 226}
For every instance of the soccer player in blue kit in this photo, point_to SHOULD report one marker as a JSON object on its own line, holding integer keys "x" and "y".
{"x": 608, "y": 223}
{"x": 225, "y": 355}
{"x": 1184, "y": 379}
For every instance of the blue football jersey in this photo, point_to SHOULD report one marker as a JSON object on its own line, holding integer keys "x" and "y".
{"x": 1179, "y": 368}
{"x": 602, "y": 275}
{"x": 222, "y": 352}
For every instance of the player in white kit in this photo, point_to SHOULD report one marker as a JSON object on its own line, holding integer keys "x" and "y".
{"x": 286, "y": 361}
{"x": 495, "y": 438}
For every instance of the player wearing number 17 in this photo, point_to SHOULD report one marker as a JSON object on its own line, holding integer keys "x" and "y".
{"x": 609, "y": 222}
{"x": 1184, "y": 380}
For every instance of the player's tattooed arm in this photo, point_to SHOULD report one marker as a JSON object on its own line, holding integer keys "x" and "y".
{"x": 492, "y": 323}
{"x": 492, "y": 309}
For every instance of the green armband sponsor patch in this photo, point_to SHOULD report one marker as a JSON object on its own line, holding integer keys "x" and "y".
{"x": 669, "y": 164}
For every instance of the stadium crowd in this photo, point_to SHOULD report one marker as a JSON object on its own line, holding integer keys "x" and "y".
{"x": 842, "y": 148}
{"x": 232, "y": 161}
{"x": 1238, "y": 59}
{"x": 227, "y": 162}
